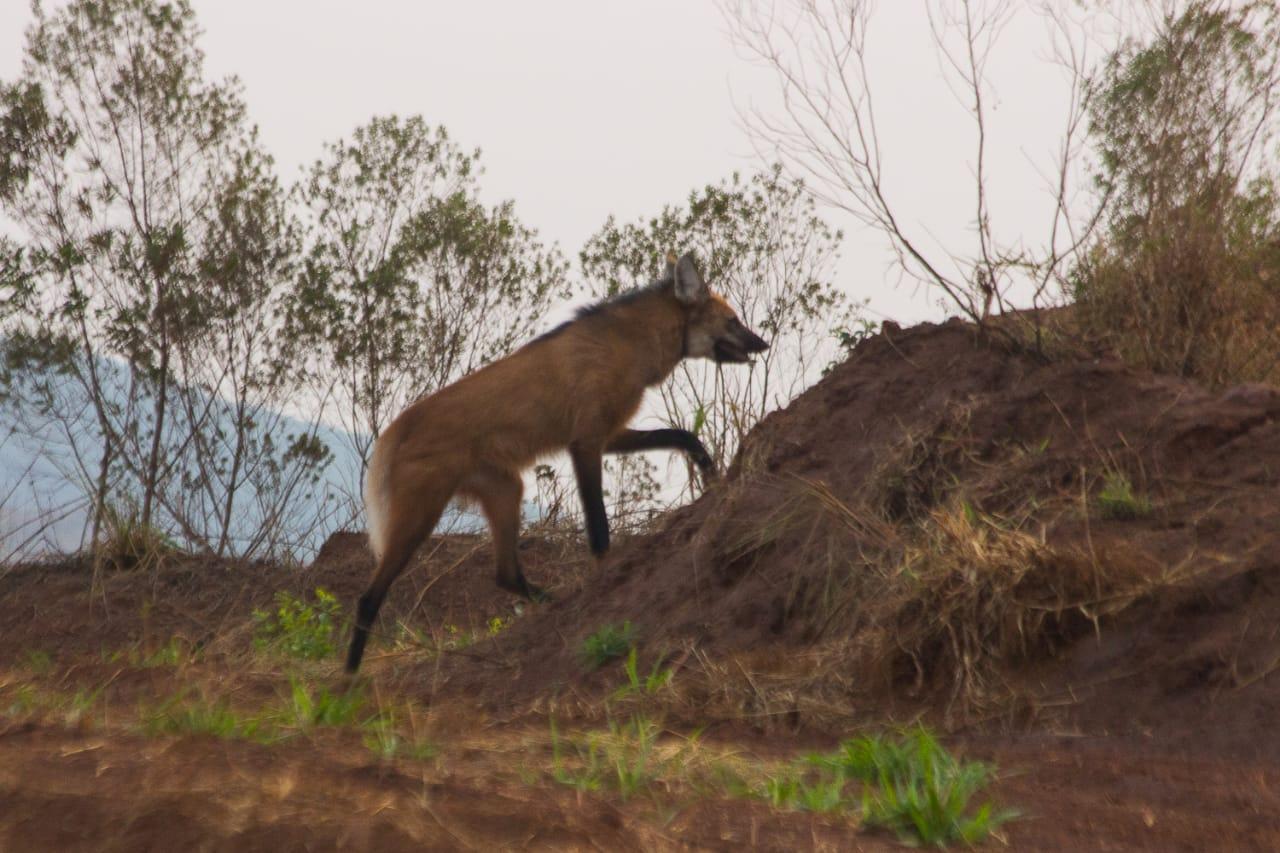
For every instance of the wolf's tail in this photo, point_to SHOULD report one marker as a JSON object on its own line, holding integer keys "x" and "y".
{"x": 376, "y": 498}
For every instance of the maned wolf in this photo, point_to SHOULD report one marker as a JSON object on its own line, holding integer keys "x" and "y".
{"x": 574, "y": 388}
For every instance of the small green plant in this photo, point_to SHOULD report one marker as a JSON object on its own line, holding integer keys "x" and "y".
{"x": 178, "y": 716}
{"x": 631, "y": 754}
{"x": 648, "y": 685}
{"x": 793, "y": 791}
{"x": 626, "y": 758}
{"x": 913, "y": 787}
{"x": 297, "y": 628}
{"x": 456, "y": 639}
{"x": 382, "y": 737}
{"x": 24, "y": 701}
{"x": 622, "y": 756}
{"x": 590, "y": 769}
{"x": 80, "y": 704}
{"x": 609, "y": 643}
{"x": 780, "y": 791}
{"x": 39, "y": 662}
{"x": 848, "y": 337}
{"x": 305, "y": 708}
{"x": 1118, "y": 501}
{"x": 175, "y": 652}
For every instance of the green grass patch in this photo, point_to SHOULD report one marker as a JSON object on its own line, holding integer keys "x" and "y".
{"x": 793, "y": 791}
{"x": 627, "y": 758}
{"x": 81, "y": 704}
{"x": 23, "y": 701}
{"x": 300, "y": 709}
{"x": 304, "y": 707}
{"x": 646, "y": 685}
{"x": 38, "y": 662}
{"x": 383, "y": 737}
{"x": 908, "y": 784}
{"x": 175, "y": 652}
{"x": 180, "y": 716}
{"x": 70, "y": 709}
{"x": 1118, "y": 501}
{"x": 609, "y": 643}
{"x": 915, "y": 788}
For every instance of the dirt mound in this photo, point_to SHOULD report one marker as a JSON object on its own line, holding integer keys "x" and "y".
{"x": 940, "y": 520}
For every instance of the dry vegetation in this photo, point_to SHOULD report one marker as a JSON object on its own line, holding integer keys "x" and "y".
{"x": 1184, "y": 279}
{"x": 943, "y": 602}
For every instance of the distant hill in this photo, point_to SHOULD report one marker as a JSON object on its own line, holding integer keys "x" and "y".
{"x": 42, "y": 495}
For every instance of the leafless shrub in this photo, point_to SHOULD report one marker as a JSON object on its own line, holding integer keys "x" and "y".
{"x": 827, "y": 133}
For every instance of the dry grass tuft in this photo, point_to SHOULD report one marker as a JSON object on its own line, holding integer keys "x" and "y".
{"x": 947, "y": 603}
{"x": 129, "y": 544}
{"x": 966, "y": 597}
{"x": 917, "y": 473}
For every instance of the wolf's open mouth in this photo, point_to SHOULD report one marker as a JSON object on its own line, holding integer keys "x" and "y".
{"x": 727, "y": 351}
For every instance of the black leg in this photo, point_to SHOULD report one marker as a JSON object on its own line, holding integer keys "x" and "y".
{"x": 587, "y": 466}
{"x": 366, "y": 613}
{"x": 631, "y": 440}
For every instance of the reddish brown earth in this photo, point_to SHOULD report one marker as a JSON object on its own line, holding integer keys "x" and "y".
{"x": 1137, "y": 721}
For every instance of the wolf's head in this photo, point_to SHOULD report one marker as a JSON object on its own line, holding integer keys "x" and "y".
{"x": 712, "y": 328}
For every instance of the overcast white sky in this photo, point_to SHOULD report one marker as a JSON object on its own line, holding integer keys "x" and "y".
{"x": 589, "y": 107}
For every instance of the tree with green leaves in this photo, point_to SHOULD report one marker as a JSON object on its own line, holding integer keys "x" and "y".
{"x": 1183, "y": 120}
{"x": 409, "y": 281}
{"x": 763, "y": 247}
{"x": 156, "y": 244}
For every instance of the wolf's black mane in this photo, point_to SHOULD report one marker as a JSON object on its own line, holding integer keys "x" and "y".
{"x": 603, "y": 306}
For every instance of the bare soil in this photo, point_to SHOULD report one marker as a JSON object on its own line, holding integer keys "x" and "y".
{"x": 1139, "y": 720}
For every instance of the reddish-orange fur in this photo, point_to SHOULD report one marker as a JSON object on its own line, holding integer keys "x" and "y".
{"x": 575, "y": 388}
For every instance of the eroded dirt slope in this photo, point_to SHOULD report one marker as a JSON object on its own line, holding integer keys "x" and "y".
{"x": 930, "y": 417}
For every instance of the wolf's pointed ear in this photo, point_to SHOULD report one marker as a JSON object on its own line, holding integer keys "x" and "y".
{"x": 690, "y": 288}
{"x": 668, "y": 267}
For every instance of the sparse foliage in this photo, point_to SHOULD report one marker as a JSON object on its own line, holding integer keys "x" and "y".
{"x": 180, "y": 716}
{"x": 141, "y": 342}
{"x": 1184, "y": 279}
{"x": 385, "y": 739}
{"x": 648, "y": 685}
{"x": 129, "y": 544}
{"x": 409, "y": 280}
